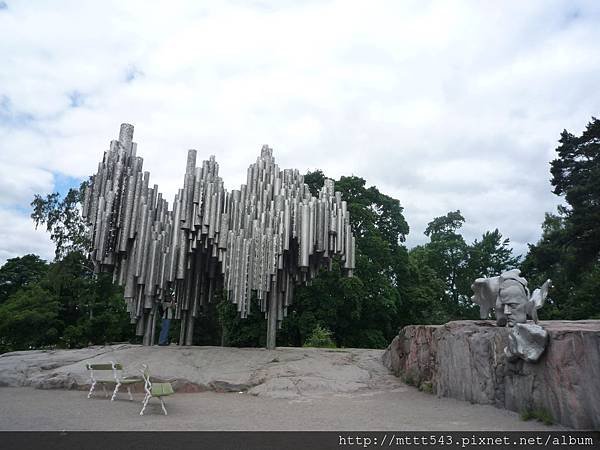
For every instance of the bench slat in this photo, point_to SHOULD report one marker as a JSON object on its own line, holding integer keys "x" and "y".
{"x": 161, "y": 389}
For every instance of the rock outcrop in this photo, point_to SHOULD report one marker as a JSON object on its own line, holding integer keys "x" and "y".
{"x": 292, "y": 373}
{"x": 466, "y": 360}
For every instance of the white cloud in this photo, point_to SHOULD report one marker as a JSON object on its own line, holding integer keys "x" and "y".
{"x": 19, "y": 237}
{"x": 444, "y": 105}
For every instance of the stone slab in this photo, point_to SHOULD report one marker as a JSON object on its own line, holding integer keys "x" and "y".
{"x": 291, "y": 373}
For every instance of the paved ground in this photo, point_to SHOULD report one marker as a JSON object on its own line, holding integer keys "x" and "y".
{"x": 283, "y": 389}
{"x": 404, "y": 408}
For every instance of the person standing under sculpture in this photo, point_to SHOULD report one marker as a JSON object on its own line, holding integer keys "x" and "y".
{"x": 166, "y": 315}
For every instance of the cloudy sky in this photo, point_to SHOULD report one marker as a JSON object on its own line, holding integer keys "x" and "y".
{"x": 444, "y": 105}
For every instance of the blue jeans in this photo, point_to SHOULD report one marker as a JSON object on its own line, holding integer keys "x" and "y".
{"x": 163, "y": 339}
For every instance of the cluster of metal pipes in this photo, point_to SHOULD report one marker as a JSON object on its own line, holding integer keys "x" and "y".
{"x": 266, "y": 237}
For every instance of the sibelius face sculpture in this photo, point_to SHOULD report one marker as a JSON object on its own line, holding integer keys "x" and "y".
{"x": 508, "y": 295}
{"x": 266, "y": 237}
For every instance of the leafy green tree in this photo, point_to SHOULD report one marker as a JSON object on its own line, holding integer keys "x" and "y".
{"x": 315, "y": 181}
{"x": 62, "y": 304}
{"x": 20, "y": 272}
{"x": 67, "y": 307}
{"x": 362, "y": 311}
{"x": 425, "y": 300}
{"x": 63, "y": 220}
{"x": 447, "y": 255}
{"x": 576, "y": 175}
{"x": 458, "y": 264}
{"x": 490, "y": 256}
{"x": 238, "y": 332}
{"x": 569, "y": 249}
{"x": 332, "y": 301}
{"x": 91, "y": 307}
{"x": 29, "y": 319}
{"x": 574, "y": 295}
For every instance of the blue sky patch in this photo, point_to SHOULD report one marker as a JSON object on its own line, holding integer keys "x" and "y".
{"x": 76, "y": 99}
{"x": 62, "y": 183}
{"x": 132, "y": 73}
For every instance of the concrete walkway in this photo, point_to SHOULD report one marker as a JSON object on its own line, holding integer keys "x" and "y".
{"x": 404, "y": 408}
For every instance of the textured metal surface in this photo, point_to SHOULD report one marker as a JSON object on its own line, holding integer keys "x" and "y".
{"x": 264, "y": 238}
{"x": 526, "y": 341}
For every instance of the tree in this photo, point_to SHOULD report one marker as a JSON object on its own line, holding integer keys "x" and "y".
{"x": 576, "y": 175}
{"x": 315, "y": 181}
{"x": 490, "y": 256}
{"x": 238, "y": 332}
{"x": 66, "y": 307}
{"x": 29, "y": 319}
{"x": 458, "y": 264}
{"x": 332, "y": 301}
{"x": 91, "y": 307}
{"x": 20, "y": 272}
{"x": 63, "y": 220}
{"x": 363, "y": 311}
{"x": 569, "y": 249}
{"x": 447, "y": 252}
{"x": 425, "y": 300}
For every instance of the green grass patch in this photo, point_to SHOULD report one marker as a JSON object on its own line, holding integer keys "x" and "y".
{"x": 426, "y": 386}
{"x": 539, "y": 414}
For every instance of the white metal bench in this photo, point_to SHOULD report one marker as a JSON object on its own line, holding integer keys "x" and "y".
{"x": 158, "y": 390}
{"x": 99, "y": 374}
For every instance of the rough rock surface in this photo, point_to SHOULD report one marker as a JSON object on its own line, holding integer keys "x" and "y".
{"x": 466, "y": 360}
{"x": 291, "y": 373}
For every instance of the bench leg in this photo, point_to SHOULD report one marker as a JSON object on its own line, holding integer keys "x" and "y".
{"x": 92, "y": 389}
{"x": 145, "y": 404}
{"x": 162, "y": 404}
{"x": 115, "y": 392}
{"x": 104, "y": 389}
{"x": 129, "y": 392}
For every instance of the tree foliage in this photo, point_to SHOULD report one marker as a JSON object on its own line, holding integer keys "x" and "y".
{"x": 362, "y": 311}
{"x": 569, "y": 249}
{"x": 447, "y": 253}
{"x": 576, "y": 176}
{"x": 66, "y": 307}
{"x": 63, "y": 303}
{"x": 320, "y": 337}
{"x": 20, "y": 272}
{"x": 447, "y": 266}
{"x": 30, "y": 319}
{"x": 63, "y": 220}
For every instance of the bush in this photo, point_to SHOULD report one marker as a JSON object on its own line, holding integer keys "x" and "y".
{"x": 320, "y": 337}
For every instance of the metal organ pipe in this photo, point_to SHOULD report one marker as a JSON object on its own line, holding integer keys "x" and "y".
{"x": 264, "y": 238}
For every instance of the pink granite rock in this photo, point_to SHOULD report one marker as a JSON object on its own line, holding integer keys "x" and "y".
{"x": 466, "y": 360}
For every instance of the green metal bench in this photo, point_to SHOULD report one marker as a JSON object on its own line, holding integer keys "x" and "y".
{"x": 117, "y": 379}
{"x": 157, "y": 390}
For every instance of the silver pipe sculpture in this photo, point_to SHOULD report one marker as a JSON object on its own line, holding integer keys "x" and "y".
{"x": 265, "y": 238}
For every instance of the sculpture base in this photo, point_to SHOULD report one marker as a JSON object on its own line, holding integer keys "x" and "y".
{"x": 466, "y": 360}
